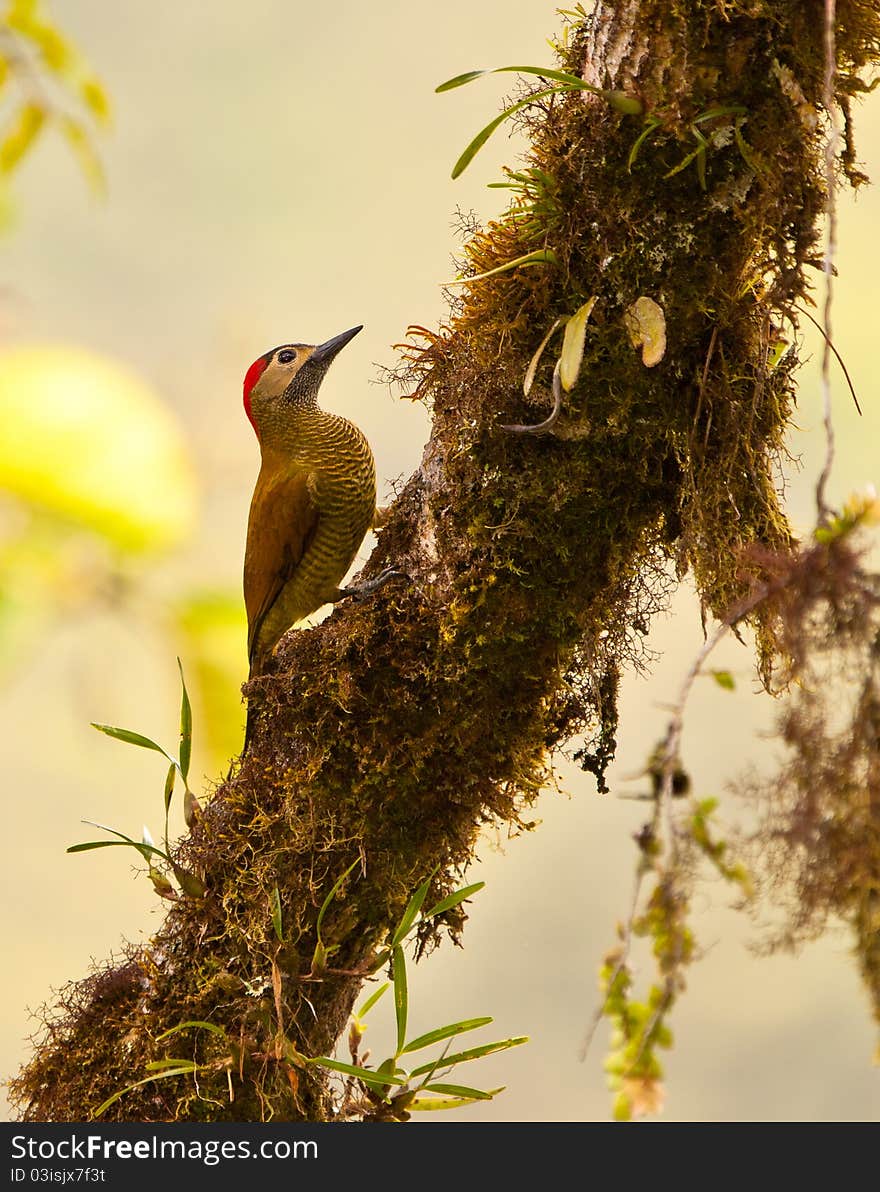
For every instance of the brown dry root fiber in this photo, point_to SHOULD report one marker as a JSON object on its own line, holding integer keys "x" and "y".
{"x": 394, "y": 731}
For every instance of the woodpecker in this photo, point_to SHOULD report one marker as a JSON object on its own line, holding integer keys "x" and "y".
{"x": 315, "y": 497}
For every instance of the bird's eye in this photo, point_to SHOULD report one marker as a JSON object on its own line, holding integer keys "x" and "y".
{"x": 286, "y": 356}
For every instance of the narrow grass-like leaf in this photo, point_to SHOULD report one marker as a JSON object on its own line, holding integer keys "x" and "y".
{"x": 561, "y": 76}
{"x": 730, "y": 109}
{"x": 381, "y": 960}
{"x": 451, "y": 900}
{"x": 368, "y": 1075}
{"x": 421, "y": 1103}
{"x": 483, "y": 135}
{"x": 325, "y": 904}
{"x": 187, "y": 1066}
{"x": 473, "y": 1053}
{"x": 445, "y": 1032}
{"x": 684, "y": 163}
{"x": 161, "y": 1065}
{"x": 401, "y": 998}
{"x": 186, "y": 726}
{"x": 125, "y": 734}
{"x": 460, "y": 80}
{"x": 651, "y": 125}
{"x": 412, "y": 909}
{"x": 462, "y": 1090}
{"x": 573, "y": 345}
{"x": 371, "y": 1000}
{"x": 197, "y": 1023}
{"x": 144, "y": 848}
{"x": 529, "y": 378}
{"x": 541, "y": 256}
{"x": 275, "y": 907}
{"x": 169, "y": 786}
{"x": 89, "y": 845}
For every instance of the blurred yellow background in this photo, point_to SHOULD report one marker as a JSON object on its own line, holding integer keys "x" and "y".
{"x": 281, "y": 173}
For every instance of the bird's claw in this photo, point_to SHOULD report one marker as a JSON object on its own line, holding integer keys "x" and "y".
{"x": 361, "y": 591}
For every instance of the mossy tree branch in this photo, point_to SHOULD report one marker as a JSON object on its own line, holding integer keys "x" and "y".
{"x": 394, "y": 731}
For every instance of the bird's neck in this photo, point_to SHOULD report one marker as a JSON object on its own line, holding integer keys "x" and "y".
{"x": 304, "y": 438}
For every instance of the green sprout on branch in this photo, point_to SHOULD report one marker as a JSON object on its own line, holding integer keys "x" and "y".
{"x": 178, "y": 767}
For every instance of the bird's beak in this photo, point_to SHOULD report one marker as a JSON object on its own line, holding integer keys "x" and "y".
{"x": 324, "y": 353}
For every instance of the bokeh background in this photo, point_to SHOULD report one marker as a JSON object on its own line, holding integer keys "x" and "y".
{"x": 280, "y": 171}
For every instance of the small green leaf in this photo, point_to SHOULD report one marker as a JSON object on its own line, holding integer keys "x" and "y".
{"x": 473, "y": 1053}
{"x": 169, "y": 785}
{"x": 145, "y": 847}
{"x": 381, "y": 960}
{"x": 460, "y": 80}
{"x": 197, "y": 1023}
{"x": 627, "y": 105}
{"x": 462, "y": 1090}
{"x": 412, "y": 909}
{"x": 371, "y": 1000}
{"x": 275, "y": 907}
{"x": 336, "y": 886}
{"x": 529, "y": 378}
{"x": 186, "y": 724}
{"x": 573, "y": 345}
{"x": 93, "y": 844}
{"x": 453, "y": 899}
{"x": 187, "y": 1066}
{"x": 541, "y": 256}
{"x": 368, "y": 1075}
{"x": 731, "y": 109}
{"x": 483, "y": 135}
{"x": 724, "y": 679}
{"x": 431, "y": 1104}
{"x": 445, "y": 1032}
{"x": 160, "y": 1065}
{"x": 398, "y": 971}
{"x": 131, "y": 738}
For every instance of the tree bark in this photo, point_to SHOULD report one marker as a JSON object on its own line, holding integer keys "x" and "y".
{"x": 393, "y": 732}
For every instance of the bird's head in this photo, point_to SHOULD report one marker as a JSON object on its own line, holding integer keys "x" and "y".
{"x": 288, "y": 378}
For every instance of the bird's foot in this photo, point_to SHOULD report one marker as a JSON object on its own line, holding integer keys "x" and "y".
{"x": 361, "y": 591}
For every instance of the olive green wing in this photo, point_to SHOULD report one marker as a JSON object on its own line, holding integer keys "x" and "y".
{"x": 282, "y": 523}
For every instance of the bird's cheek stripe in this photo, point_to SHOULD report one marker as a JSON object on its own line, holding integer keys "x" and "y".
{"x": 251, "y": 377}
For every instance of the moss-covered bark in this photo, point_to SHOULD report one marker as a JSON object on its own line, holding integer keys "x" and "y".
{"x": 392, "y": 732}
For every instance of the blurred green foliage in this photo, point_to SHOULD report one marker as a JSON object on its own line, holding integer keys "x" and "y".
{"x": 45, "y": 83}
{"x": 97, "y": 483}
{"x": 98, "y": 496}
